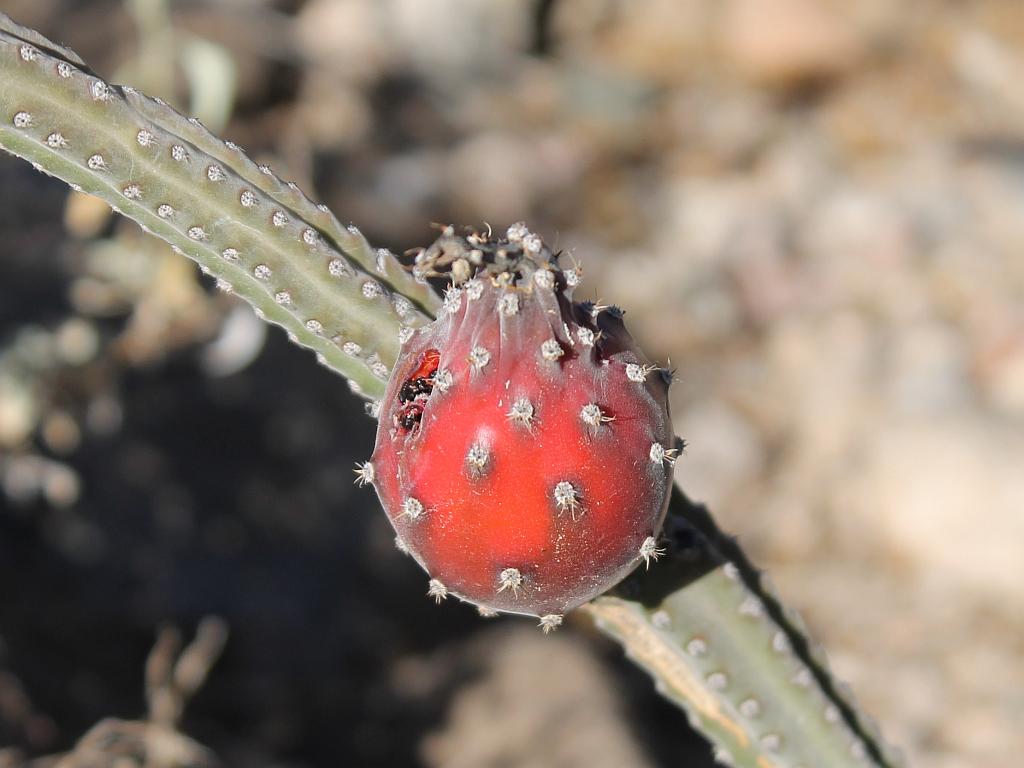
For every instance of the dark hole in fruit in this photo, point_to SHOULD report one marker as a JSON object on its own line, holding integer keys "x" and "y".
{"x": 415, "y": 390}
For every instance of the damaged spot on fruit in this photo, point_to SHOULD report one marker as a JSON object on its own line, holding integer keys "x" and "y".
{"x": 412, "y": 508}
{"x": 415, "y": 390}
{"x": 510, "y": 578}
{"x": 650, "y": 550}
{"x": 477, "y": 459}
{"x": 479, "y": 357}
{"x": 567, "y": 498}
{"x": 437, "y": 590}
{"x": 364, "y": 473}
{"x": 550, "y": 622}
{"x": 551, "y": 350}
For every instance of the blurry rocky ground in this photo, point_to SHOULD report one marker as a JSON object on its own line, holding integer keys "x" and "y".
{"x": 813, "y": 208}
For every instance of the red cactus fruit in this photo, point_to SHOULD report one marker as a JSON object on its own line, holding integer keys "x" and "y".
{"x": 524, "y": 449}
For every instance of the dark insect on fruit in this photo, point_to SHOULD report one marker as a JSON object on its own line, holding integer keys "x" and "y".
{"x": 409, "y": 416}
{"x": 429, "y": 362}
{"x": 415, "y": 390}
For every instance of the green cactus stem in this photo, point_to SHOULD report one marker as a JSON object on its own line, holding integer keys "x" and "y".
{"x": 258, "y": 236}
{"x": 720, "y": 645}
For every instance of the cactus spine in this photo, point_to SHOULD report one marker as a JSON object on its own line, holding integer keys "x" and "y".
{"x": 701, "y": 622}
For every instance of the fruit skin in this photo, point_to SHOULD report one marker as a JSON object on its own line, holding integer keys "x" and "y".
{"x": 524, "y": 448}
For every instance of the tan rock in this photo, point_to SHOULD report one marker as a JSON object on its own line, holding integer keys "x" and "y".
{"x": 786, "y": 43}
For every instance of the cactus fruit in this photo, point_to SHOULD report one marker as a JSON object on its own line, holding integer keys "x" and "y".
{"x": 524, "y": 450}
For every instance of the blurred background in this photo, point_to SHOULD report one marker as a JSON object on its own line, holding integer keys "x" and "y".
{"x": 813, "y": 208}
